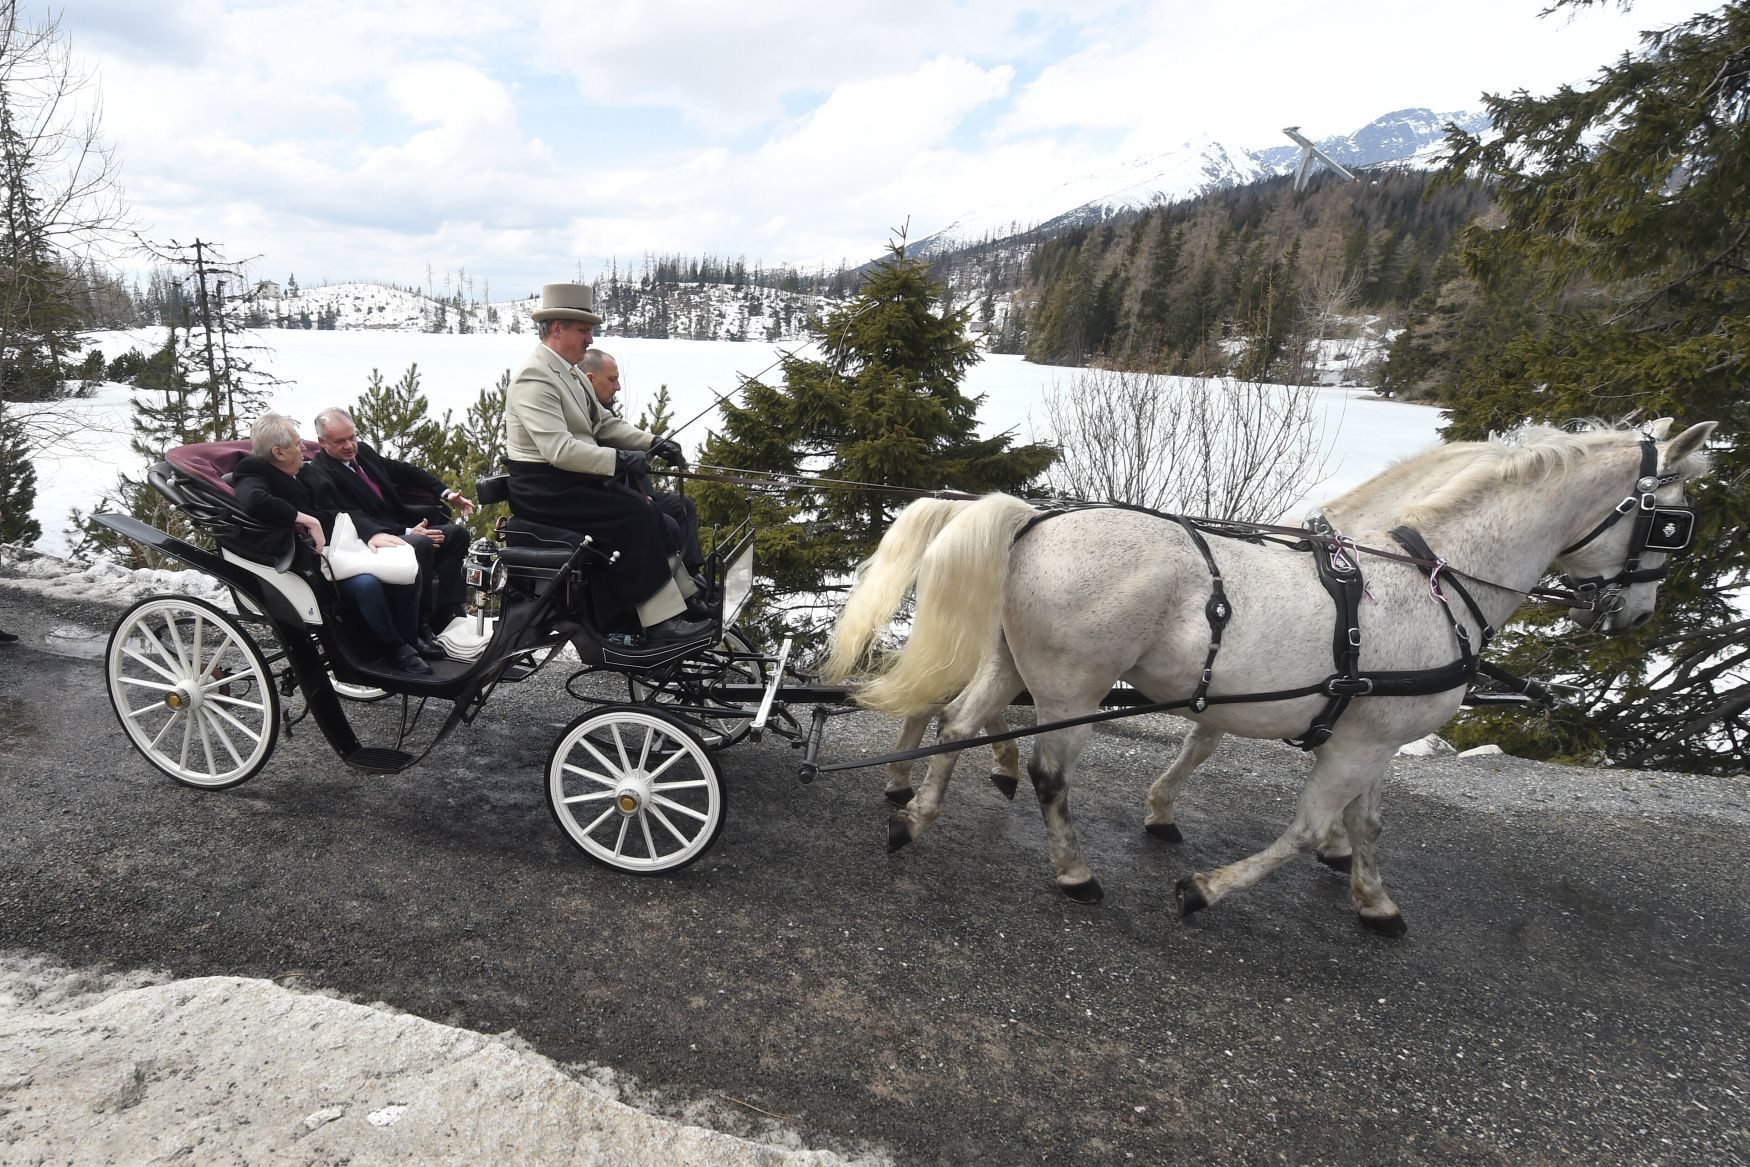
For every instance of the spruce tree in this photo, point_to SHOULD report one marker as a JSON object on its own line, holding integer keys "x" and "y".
{"x": 395, "y": 419}
{"x": 883, "y": 405}
{"x": 17, "y": 486}
{"x": 1626, "y": 206}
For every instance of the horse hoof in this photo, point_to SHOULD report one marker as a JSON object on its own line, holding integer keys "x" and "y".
{"x": 1089, "y": 892}
{"x": 1392, "y": 925}
{"x": 1189, "y": 895}
{"x": 1166, "y": 832}
{"x": 900, "y": 796}
{"x": 898, "y": 834}
{"x": 1005, "y": 784}
{"x": 1343, "y": 863}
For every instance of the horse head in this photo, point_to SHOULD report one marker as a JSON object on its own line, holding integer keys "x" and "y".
{"x": 1616, "y": 565}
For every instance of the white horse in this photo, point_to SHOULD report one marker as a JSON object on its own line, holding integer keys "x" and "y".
{"x": 1091, "y": 597}
{"x": 871, "y": 605}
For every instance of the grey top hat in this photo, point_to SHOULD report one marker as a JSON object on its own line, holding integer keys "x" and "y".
{"x": 567, "y": 302}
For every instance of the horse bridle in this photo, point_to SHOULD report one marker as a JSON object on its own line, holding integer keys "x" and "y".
{"x": 1667, "y": 530}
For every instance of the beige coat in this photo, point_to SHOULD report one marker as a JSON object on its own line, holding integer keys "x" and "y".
{"x": 551, "y": 415}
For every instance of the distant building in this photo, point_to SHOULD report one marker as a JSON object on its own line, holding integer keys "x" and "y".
{"x": 267, "y": 290}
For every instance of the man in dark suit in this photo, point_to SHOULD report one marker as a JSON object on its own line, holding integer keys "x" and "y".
{"x": 350, "y": 476}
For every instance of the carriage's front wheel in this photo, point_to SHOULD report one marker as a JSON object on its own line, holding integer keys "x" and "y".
{"x": 635, "y": 790}
{"x": 192, "y": 691}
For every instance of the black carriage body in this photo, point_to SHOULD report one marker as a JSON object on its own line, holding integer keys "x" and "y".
{"x": 542, "y": 583}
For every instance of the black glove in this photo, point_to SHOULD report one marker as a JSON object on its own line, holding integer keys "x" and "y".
{"x": 669, "y": 451}
{"x": 631, "y": 463}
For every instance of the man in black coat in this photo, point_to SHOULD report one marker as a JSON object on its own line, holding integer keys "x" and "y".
{"x": 270, "y": 486}
{"x": 350, "y": 476}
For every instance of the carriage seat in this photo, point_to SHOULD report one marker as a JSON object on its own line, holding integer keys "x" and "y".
{"x": 201, "y": 487}
{"x": 537, "y": 546}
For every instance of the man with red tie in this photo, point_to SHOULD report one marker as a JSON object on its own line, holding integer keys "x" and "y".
{"x": 350, "y": 476}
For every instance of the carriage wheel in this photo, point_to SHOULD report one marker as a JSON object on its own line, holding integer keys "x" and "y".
{"x": 692, "y": 682}
{"x": 192, "y": 691}
{"x": 635, "y": 790}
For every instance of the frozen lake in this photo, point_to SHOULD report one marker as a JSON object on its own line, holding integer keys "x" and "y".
{"x": 320, "y": 369}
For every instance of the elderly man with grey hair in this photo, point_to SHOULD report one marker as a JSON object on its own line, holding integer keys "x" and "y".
{"x": 602, "y": 372}
{"x": 350, "y": 476}
{"x": 571, "y": 462}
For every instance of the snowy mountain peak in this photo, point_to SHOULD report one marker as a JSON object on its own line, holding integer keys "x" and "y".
{"x": 1194, "y": 168}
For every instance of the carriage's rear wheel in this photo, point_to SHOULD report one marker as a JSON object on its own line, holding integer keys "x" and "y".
{"x": 694, "y": 681}
{"x": 192, "y": 691}
{"x": 635, "y": 790}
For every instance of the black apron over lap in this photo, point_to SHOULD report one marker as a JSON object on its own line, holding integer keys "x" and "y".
{"x": 618, "y": 518}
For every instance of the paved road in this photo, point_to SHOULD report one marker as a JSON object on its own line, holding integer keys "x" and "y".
{"x": 1572, "y": 990}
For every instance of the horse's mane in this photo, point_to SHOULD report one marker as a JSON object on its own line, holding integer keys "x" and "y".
{"x": 1404, "y": 478}
{"x": 1425, "y": 488}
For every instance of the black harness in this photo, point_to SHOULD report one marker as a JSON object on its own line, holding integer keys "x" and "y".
{"x": 1667, "y": 530}
{"x": 1657, "y": 528}
{"x": 1339, "y": 570}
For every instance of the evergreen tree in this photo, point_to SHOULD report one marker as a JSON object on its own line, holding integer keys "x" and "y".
{"x": 395, "y": 420}
{"x": 17, "y": 486}
{"x": 1626, "y": 204}
{"x": 660, "y": 416}
{"x": 884, "y": 407}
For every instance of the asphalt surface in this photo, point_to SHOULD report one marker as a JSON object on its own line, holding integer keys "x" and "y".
{"x": 1572, "y": 988}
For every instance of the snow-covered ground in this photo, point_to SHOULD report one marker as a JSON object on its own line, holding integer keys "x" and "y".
{"x": 322, "y": 368}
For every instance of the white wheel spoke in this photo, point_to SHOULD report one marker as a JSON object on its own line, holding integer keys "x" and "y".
{"x": 206, "y": 742}
{"x": 649, "y": 843}
{"x": 194, "y": 645}
{"x": 620, "y": 839}
{"x": 656, "y": 813}
{"x": 212, "y": 682}
{"x": 234, "y": 702}
{"x": 142, "y": 683}
{"x": 592, "y": 796}
{"x": 140, "y": 659}
{"x": 223, "y": 651}
{"x": 599, "y": 820}
{"x": 602, "y": 758}
{"x": 582, "y": 773}
{"x": 689, "y": 784}
{"x": 182, "y": 659}
{"x": 209, "y": 720}
{"x": 163, "y": 729}
{"x": 187, "y": 740}
{"x": 620, "y": 747}
{"x": 249, "y": 732}
{"x": 678, "y": 809}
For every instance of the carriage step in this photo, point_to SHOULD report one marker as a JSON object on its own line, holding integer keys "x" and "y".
{"x": 379, "y": 759}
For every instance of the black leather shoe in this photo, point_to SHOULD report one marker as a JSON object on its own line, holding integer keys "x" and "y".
{"x": 407, "y": 659}
{"x": 675, "y": 628}
{"x": 698, "y": 609}
{"x": 429, "y": 648}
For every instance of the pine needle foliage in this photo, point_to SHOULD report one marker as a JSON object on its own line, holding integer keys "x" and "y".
{"x": 883, "y": 405}
{"x": 1623, "y": 250}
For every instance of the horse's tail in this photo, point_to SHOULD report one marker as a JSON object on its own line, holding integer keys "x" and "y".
{"x": 883, "y": 580}
{"x": 959, "y": 609}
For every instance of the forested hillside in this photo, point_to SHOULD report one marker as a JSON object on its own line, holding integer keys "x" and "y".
{"x": 1240, "y": 281}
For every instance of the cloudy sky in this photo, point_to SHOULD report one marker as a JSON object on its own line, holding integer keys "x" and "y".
{"x": 347, "y": 139}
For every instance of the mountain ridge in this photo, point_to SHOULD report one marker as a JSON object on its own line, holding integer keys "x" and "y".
{"x": 1193, "y": 168}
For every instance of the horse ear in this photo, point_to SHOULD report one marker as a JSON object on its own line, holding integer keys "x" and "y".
{"x": 1688, "y": 442}
{"x": 1659, "y": 427}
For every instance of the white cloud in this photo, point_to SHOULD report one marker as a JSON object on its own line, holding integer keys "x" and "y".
{"x": 348, "y": 138}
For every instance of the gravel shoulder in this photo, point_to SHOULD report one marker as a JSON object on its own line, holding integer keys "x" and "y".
{"x": 1575, "y": 986}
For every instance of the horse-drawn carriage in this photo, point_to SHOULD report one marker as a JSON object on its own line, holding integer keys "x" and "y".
{"x": 633, "y": 782}
{"x": 1012, "y": 606}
